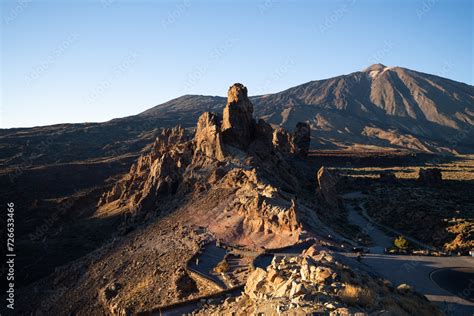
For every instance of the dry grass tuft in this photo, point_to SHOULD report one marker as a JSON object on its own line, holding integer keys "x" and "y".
{"x": 356, "y": 295}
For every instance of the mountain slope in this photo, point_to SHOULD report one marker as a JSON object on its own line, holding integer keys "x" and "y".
{"x": 410, "y": 109}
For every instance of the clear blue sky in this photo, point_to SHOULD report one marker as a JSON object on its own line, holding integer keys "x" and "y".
{"x": 78, "y": 61}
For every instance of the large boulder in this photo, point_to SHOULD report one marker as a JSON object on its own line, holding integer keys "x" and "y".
{"x": 302, "y": 138}
{"x": 430, "y": 176}
{"x": 326, "y": 190}
{"x": 238, "y": 124}
{"x": 255, "y": 282}
{"x": 208, "y": 139}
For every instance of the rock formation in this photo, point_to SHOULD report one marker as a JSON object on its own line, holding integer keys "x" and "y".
{"x": 283, "y": 141}
{"x": 326, "y": 190}
{"x": 430, "y": 176}
{"x": 208, "y": 138}
{"x": 265, "y": 208}
{"x": 160, "y": 172}
{"x": 302, "y": 138}
{"x": 316, "y": 284}
{"x": 154, "y": 174}
{"x": 238, "y": 124}
{"x": 263, "y": 143}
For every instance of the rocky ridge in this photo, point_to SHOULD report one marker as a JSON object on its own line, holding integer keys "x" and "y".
{"x": 232, "y": 151}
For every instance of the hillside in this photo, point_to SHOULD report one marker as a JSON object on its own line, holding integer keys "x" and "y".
{"x": 237, "y": 196}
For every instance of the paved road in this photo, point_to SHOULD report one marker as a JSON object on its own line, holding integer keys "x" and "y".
{"x": 463, "y": 284}
{"x": 417, "y": 271}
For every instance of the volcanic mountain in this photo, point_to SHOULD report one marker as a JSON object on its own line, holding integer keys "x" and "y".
{"x": 379, "y": 106}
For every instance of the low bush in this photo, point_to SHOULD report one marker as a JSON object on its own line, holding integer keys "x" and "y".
{"x": 356, "y": 295}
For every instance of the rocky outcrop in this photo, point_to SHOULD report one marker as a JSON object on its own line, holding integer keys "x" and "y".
{"x": 155, "y": 174}
{"x": 290, "y": 278}
{"x": 168, "y": 139}
{"x": 239, "y": 129}
{"x": 208, "y": 138}
{"x": 238, "y": 124}
{"x": 267, "y": 139}
{"x": 302, "y": 138}
{"x": 430, "y": 176}
{"x": 265, "y": 208}
{"x": 263, "y": 142}
{"x": 283, "y": 141}
{"x": 160, "y": 172}
{"x": 326, "y": 190}
{"x": 316, "y": 284}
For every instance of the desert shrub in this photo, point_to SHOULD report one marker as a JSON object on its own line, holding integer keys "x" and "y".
{"x": 401, "y": 242}
{"x": 352, "y": 295}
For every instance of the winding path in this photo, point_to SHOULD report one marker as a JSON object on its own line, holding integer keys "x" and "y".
{"x": 378, "y": 237}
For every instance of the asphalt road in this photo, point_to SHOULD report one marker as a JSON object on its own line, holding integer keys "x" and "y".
{"x": 459, "y": 281}
{"x": 447, "y": 281}
{"x": 417, "y": 271}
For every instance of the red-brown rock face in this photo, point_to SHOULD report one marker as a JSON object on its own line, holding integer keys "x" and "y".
{"x": 208, "y": 138}
{"x": 238, "y": 124}
{"x": 265, "y": 208}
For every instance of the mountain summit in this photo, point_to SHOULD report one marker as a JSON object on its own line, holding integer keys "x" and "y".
{"x": 377, "y": 67}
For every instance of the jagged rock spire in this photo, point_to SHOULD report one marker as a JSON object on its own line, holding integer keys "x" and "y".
{"x": 238, "y": 124}
{"x": 302, "y": 138}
